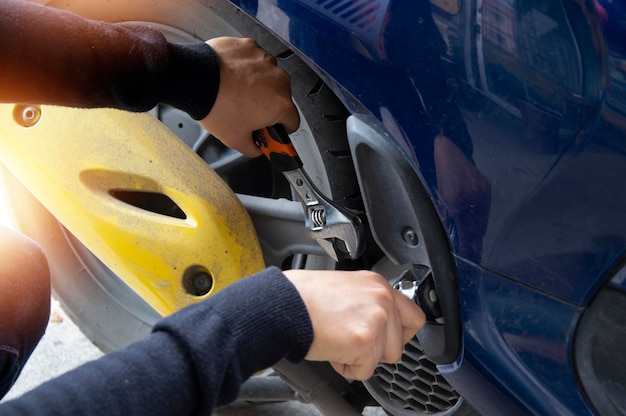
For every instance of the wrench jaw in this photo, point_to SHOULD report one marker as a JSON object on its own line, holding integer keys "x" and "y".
{"x": 329, "y": 247}
{"x": 337, "y": 230}
{"x": 341, "y": 241}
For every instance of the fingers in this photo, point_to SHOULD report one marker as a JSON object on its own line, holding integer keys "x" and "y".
{"x": 412, "y": 316}
{"x": 358, "y": 319}
{"x": 245, "y": 145}
{"x": 254, "y": 93}
{"x": 402, "y": 321}
{"x": 395, "y": 340}
{"x": 354, "y": 372}
{"x": 290, "y": 117}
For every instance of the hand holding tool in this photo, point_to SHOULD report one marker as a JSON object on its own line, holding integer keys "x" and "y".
{"x": 337, "y": 230}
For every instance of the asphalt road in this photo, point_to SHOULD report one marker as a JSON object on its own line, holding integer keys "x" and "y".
{"x": 64, "y": 347}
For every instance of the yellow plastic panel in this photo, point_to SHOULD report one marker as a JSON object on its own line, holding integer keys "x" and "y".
{"x": 79, "y": 162}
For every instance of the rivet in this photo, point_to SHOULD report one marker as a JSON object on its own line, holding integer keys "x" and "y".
{"x": 26, "y": 115}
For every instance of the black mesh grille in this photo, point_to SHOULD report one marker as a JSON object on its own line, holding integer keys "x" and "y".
{"x": 413, "y": 384}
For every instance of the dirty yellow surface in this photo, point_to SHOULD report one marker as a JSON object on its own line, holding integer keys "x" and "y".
{"x": 76, "y": 161}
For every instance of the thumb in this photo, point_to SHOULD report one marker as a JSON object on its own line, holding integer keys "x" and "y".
{"x": 354, "y": 372}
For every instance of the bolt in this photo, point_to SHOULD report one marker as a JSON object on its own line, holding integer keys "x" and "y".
{"x": 432, "y": 296}
{"x": 202, "y": 282}
{"x": 410, "y": 236}
{"x": 197, "y": 281}
{"x": 408, "y": 288}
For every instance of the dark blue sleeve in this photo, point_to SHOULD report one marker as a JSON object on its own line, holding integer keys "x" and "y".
{"x": 194, "y": 360}
{"x": 50, "y": 56}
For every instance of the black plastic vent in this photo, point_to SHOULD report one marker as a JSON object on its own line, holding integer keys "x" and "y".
{"x": 363, "y": 16}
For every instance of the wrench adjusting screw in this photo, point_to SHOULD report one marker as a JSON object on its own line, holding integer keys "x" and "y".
{"x": 318, "y": 217}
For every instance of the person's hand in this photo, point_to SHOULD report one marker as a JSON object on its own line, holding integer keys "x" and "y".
{"x": 358, "y": 319}
{"x": 253, "y": 93}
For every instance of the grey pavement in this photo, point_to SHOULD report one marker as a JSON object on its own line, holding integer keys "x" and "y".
{"x": 64, "y": 347}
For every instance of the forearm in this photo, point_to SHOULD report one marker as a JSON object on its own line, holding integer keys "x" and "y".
{"x": 55, "y": 57}
{"x": 195, "y": 360}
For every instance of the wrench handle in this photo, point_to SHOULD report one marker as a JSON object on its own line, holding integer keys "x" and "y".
{"x": 276, "y": 145}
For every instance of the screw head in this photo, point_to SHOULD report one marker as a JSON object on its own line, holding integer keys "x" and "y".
{"x": 410, "y": 236}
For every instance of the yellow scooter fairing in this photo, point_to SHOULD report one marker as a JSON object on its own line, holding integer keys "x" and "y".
{"x": 136, "y": 196}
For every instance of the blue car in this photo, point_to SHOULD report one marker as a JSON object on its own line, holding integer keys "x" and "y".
{"x": 482, "y": 145}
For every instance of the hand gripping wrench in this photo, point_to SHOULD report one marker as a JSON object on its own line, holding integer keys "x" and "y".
{"x": 337, "y": 230}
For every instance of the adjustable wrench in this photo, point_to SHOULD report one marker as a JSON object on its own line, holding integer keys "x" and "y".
{"x": 337, "y": 230}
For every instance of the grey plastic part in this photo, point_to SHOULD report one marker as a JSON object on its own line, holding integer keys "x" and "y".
{"x": 396, "y": 200}
{"x": 317, "y": 383}
{"x": 280, "y": 227}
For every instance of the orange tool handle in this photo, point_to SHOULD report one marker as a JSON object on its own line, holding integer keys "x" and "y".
{"x": 276, "y": 145}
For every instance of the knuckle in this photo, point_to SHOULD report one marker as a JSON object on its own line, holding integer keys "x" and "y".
{"x": 248, "y": 41}
{"x": 383, "y": 296}
{"x": 364, "y": 336}
{"x": 282, "y": 80}
{"x": 379, "y": 316}
{"x": 284, "y": 76}
{"x": 372, "y": 327}
{"x": 377, "y": 279}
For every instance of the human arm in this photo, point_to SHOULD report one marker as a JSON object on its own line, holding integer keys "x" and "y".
{"x": 50, "y": 56}
{"x": 194, "y": 360}
{"x": 198, "y": 357}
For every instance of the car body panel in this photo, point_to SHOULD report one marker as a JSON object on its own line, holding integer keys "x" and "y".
{"x": 415, "y": 70}
{"x": 514, "y": 115}
{"x": 517, "y": 341}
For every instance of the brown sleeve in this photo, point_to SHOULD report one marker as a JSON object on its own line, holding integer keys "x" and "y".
{"x": 50, "y": 56}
